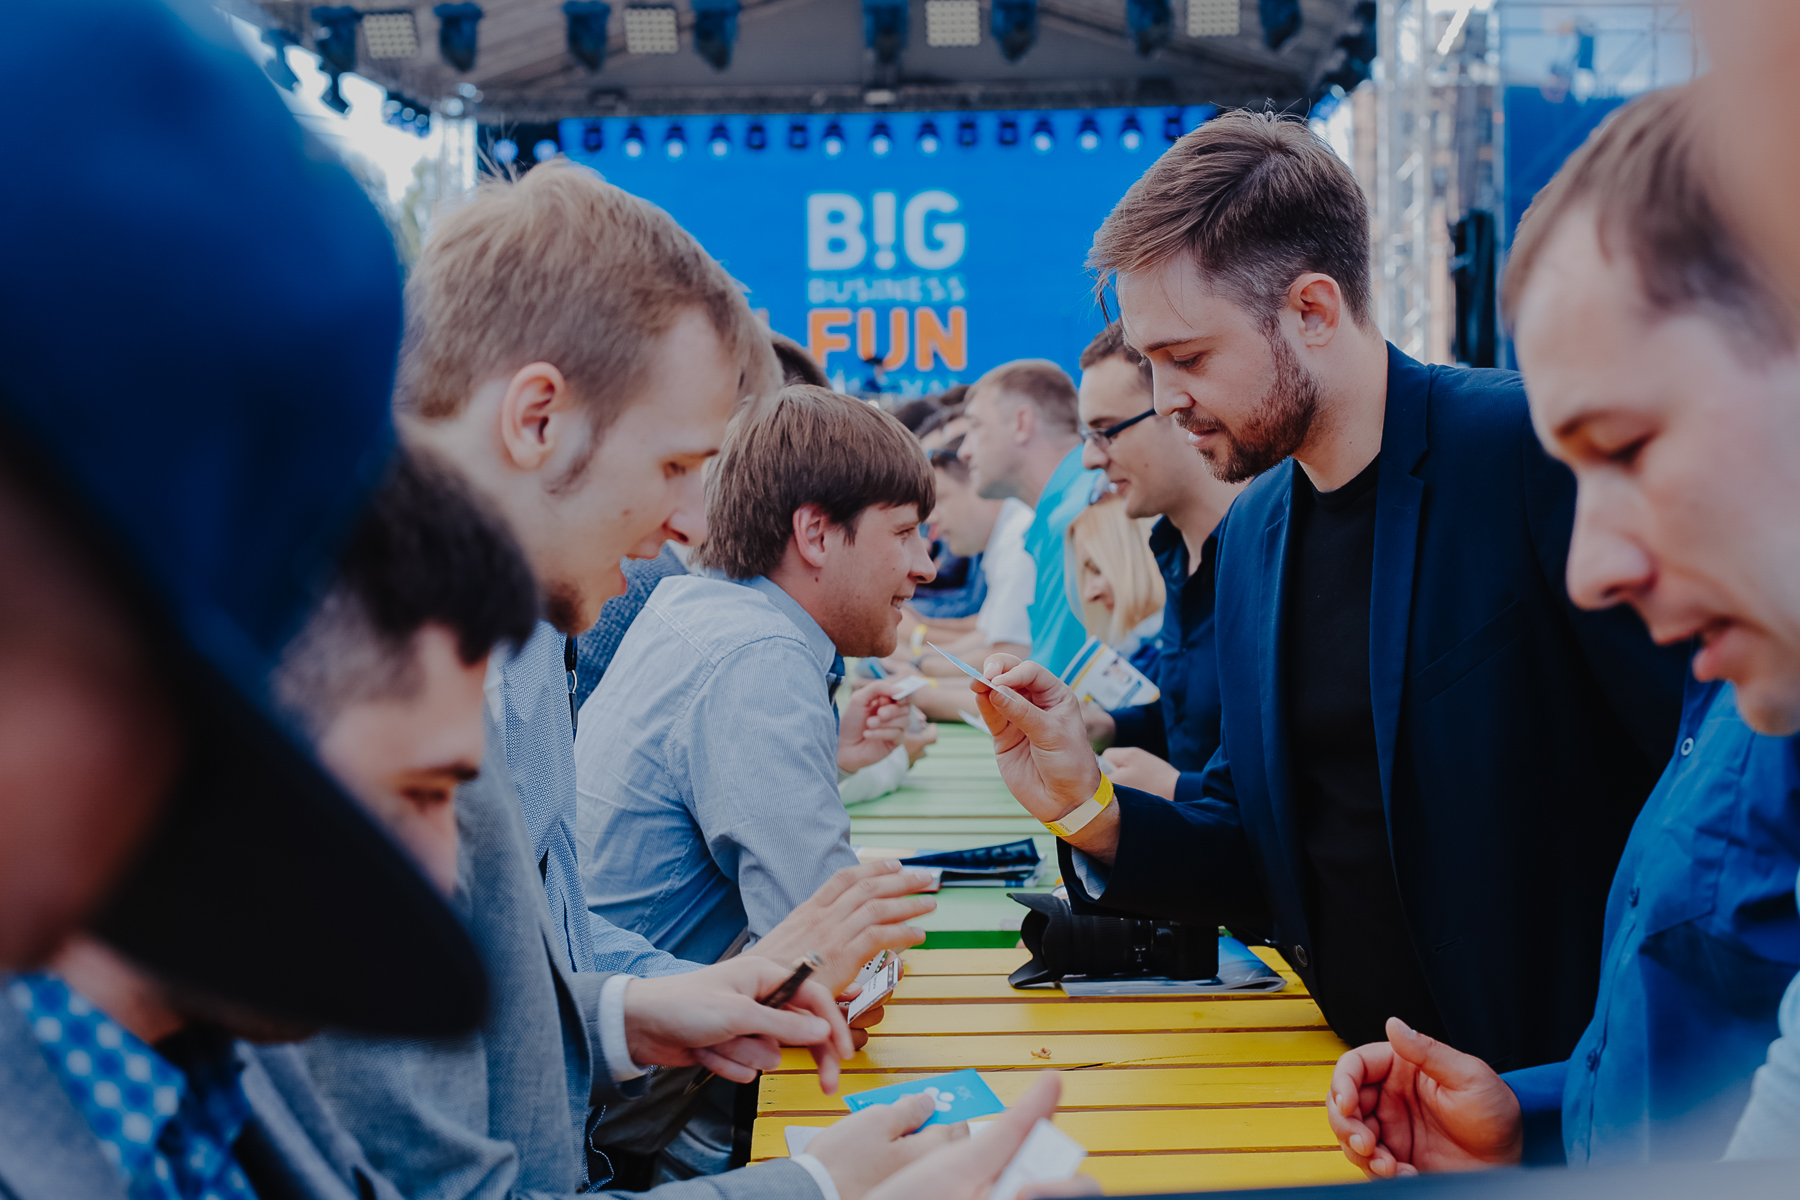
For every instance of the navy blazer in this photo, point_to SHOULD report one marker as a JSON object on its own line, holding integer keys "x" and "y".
{"x": 1518, "y": 735}
{"x": 1182, "y": 725}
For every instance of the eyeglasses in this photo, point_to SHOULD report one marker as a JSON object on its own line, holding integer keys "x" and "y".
{"x": 1104, "y": 437}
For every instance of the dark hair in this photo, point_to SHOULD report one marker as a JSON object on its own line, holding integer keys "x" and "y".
{"x": 914, "y": 413}
{"x": 797, "y": 366}
{"x": 1644, "y": 172}
{"x": 809, "y": 445}
{"x": 1257, "y": 200}
{"x": 1110, "y": 343}
{"x": 425, "y": 551}
{"x": 945, "y": 459}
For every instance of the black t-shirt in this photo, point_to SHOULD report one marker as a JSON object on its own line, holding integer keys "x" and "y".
{"x": 1363, "y": 958}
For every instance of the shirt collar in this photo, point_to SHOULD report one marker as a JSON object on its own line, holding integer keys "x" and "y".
{"x": 814, "y": 633}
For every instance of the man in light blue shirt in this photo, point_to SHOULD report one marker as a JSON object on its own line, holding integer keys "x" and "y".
{"x": 708, "y": 759}
{"x": 1024, "y": 440}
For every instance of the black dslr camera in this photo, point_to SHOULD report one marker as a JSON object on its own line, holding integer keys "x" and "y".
{"x": 1064, "y": 944}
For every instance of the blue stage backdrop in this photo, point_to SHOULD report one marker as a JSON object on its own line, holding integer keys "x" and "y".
{"x": 941, "y": 243}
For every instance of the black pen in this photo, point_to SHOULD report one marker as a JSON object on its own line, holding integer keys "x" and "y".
{"x": 790, "y": 987}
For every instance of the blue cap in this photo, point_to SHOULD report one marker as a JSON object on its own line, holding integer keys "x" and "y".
{"x": 199, "y": 317}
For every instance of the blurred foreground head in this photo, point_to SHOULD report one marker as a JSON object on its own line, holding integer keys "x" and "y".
{"x": 195, "y": 363}
{"x": 576, "y": 354}
{"x": 1661, "y": 366}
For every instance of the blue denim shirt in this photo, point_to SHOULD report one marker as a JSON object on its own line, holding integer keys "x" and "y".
{"x": 706, "y": 767}
{"x": 530, "y": 703}
{"x": 1056, "y": 630}
{"x": 1701, "y": 939}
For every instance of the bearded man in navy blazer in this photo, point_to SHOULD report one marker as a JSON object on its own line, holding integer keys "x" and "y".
{"x": 1431, "y": 758}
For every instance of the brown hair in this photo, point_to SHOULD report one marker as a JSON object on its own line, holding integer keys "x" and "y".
{"x": 1645, "y": 175}
{"x": 797, "y": 366}
{"x": 1257, "y": 200}
{"x": 562, "y": 267}
{"x": 1110, "y": 343}
{"x": 1046, "y": 386}
{"x": 809, "y": 445}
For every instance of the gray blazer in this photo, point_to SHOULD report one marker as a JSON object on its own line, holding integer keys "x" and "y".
{"x": 292, "y": 1148}
{"x": 501, "y": 1114}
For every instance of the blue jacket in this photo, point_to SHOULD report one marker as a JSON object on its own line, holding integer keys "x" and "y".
{"x": 1182, "y": 727}
{"x": 1518, "y": 736}
{"x": 1701, "y": 941}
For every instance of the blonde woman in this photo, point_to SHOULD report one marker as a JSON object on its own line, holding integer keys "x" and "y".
{"x": 1117, "y": 588}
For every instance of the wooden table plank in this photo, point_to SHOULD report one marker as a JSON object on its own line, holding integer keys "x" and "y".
{"x": 1125, "y": 1173}
{"x": 1175, "y": 1016}
{"x": 996, "y": 1051}
{"x": 1097, "y": 1087}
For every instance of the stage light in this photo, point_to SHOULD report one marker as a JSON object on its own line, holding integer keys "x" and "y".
{"x": 1043, "y": 136}
{"x": 833, "y": 141}
{"x": 545, "y": 150}
{"x": 719, "y": 142}
{"x": 593, "y": 137}
{"x": 675, "y": 142}
{"x": 505, "y": 150}
{"x": 715, "y": 30}
{"x": 1172, "y": 127}
{"x": 391, "y": 35}
{"x": 405, "y": 113}
{"x": 277, "y": 69}
{"x": 1280, "y": 21}
{"x": 1015, "y": 25}
{"x": 880, "y": 140}
{"x": 952, "y": 22}
{"x": 586, "y": 21}
{"x": 966, "y": 133}
{"x": 1150, "y": 22}
{"x": 1009, "y": 132}
{"x": 651, "y": 29}
{"x": 928, "y": 138}
{"x": 1213, "y": 18}
{"x": 756, "y": 137}
{"x": 1131, "y": 134}
{"x": 884, "y": 29}
{"x": 797, "y": 137}
{"x": 634, "y": 142}
{"x": 1088, "y": 136}
{"x": 1359, "y": 50}
{"x": 456, "y": 34}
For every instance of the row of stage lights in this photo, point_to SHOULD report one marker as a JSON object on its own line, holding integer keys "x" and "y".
{"x": 1042, "y": 137}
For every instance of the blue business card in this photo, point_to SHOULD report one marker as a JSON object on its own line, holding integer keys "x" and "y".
{"x": 960, "y": 1096}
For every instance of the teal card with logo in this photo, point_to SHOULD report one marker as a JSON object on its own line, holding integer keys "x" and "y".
{"x": 960, "y": 1096}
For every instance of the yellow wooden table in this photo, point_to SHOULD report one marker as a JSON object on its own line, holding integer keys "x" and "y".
{"x": 1167, "y": 1095}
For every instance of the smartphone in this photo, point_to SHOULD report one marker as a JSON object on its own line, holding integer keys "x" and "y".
{"x": 879, "y": 976}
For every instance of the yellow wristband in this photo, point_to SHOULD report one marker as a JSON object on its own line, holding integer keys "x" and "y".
{"x": 1074, "y": 822}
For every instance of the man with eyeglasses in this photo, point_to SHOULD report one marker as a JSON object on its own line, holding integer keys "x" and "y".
{"x": 1163, "y": 746}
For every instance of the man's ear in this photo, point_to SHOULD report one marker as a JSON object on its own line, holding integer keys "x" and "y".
{"x": 1320, "y": 306}
{"x": 810, "y": 524}
{"x": 1024, "y": 423}
{"x": 534, "y": 414}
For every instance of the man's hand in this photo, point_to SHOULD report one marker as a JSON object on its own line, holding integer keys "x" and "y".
{"x": 872, "y": 725}
{"x": 1134, "y": 768}
{"x": 857, "y": 913}
{"x": 1041, "y": 743}
{"x": 863, "y": 1149}
{"x": 1101, "y": 727}
{"x": 1413, "y": 1104}
{"x": 712, "y": 1018}
{"x": 964, "y": 1168}
{"x": 917, "y": 741}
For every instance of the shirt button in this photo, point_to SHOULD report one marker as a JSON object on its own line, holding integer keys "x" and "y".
{"x": 1593, "y": 1060}
{"x": 1634, "y": 895}
{"x": 1300, "y": 955}
{"x": 1687, "y": 747}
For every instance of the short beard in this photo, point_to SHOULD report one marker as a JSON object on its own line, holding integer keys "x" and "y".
{"x": 1275, "y": 429}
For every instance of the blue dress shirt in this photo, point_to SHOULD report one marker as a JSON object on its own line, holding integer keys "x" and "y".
{"x": 1057, "y": 634}
{"x": 1182, "y": 726}
{"x": 1701, "y": 939}
{"x": 707, "y": 768}
{"x": 595, "y": 648}
{"x": 169, "y": 1131}
{"x": 531, "y": 706}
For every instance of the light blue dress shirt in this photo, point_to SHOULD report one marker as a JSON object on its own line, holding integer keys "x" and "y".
{"x": 706, "y": 768}
{"x": 531, "y": 705}
{"x": 1056, "y": 630}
